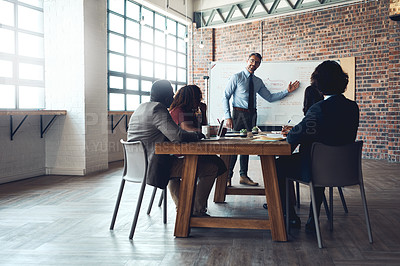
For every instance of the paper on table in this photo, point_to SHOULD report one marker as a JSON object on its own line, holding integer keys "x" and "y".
{"x": 270, "y": 137}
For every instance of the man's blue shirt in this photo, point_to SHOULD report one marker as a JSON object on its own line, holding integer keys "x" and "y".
{"x": 238, "y": 86}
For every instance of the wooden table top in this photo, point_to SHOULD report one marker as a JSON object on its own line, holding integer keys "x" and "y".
{"x": 226, "y": 146}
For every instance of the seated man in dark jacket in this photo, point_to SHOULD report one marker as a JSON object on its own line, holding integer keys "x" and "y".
{"x": 151, "y": 123}
{"x": 332, "y": 121}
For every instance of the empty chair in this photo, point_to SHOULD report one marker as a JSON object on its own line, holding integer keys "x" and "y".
{"x": 135, "y": 170}
{"x": 334, "y": 166}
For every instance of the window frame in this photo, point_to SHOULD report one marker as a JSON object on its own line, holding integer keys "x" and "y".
{"x": 140, "y": 77}
{"x": 16, "y": 59}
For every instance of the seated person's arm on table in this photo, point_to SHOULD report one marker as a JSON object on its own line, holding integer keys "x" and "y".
{"x": 164, "y": 122}
{"x": 304, "y": 131}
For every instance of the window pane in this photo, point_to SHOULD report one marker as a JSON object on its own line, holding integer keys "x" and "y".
{"x": 37, "y": 3}
{"x": 7, "y": 99}
{"x": 132, "y": 11}
{"x": 6, "y": 13}
{"x": 116, "y": 63}
{"x": 30, "y": 71}
{"x": 116, "y": 43}
{"x": 181, "y": 75}
{"x": 171, "y": 27}
{"x": 132, "y": 47}
{"x": 171, "y": 58}
{"x": 116, "y": 82}
{"x": 147, "y": 34}
{"x": 132, "y": 65}
{"x": 30, "y": 19}
{"x": 132, "y": 84}
{"x": 181, "y": 46}
{"x": 31, "y": 97}
{"x": 182, "y": 60}
{"x": 30, "y": 45}
{"x": 116, "y": 6}
{"x": 160, "y": 71}
{"x": 117, "y": 102}
{"x": 116, "y": 23}
{"x": 145, "y": 98}
{"x": 132, "y": 29}
{"x": 7, "y": 43}
{"x": 148, "y": 17}
{"x": 146, "y": 85}
{"x": 6, "y": 69}
{"x": 181, "y": 31}
{"x": 147, "y": 51}
{"x": 147, "y": 68}
{"x": 132, "y": 102}
{"x": 160, "y": 22}
{"x": 171, "y": 73}
{"x": 160, "y": 38}
{"x": 160, "y": 55}
{"x": 171, "y": 42}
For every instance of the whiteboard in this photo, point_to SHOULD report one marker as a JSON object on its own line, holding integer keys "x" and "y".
{"x": 276, "y": 77}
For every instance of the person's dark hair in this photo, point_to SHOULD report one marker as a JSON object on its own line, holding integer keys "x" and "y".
{"x": 255, "y": 54}
{"x": 161, "y": 91}
{"x": 329, "y": 78}
{"x": 187, "y": 98}
{"x": 311, "y": 96}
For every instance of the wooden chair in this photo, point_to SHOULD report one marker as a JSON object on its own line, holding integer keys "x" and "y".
{"x": 135, "y": 170}
{"x": 334, "y": 166}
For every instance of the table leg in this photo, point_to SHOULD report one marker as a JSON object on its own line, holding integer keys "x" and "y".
{"x": 220, "y": 184}
{"x": 275, "y": 213}
{"x": 186, "y": 193}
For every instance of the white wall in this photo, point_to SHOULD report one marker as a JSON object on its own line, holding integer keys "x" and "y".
{"x": 95, "y": 45}
{"x": 65, "y": 85}
{"x": 24, "y": 156}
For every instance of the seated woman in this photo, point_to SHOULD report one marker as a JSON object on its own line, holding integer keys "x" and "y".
{"x": 189, "y": 113}
{"x": 311, "y": 96}
{"x": 187, "y": 110}
{"x": 332, "y": 121}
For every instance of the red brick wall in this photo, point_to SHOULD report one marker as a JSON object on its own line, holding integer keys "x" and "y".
{"x": 362, "y": 30}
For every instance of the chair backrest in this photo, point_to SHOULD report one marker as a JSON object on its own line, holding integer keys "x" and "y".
{"x": 336, "y": 166}
{"x": 135, "y": 161}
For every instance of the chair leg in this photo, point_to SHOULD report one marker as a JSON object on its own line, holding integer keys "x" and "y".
{"x": 343, "y": 200}
{"x": 152, "y": 200}
{"x": 139, "y": 204}
{"x": 161, "y": 199}
{"x": 121, "y": 189}
{"x": 326, "y": 207}
{"x": 364, "y": 200}
{"x": 331, "y": 208}
{"x": 165, "y": 205}
{"x": 298, "y": 195}
{"x": 316, "y": 221}
{"x": 287, "y": 207}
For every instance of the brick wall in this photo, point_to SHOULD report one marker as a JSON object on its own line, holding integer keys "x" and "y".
{"x": 362, "y": 30}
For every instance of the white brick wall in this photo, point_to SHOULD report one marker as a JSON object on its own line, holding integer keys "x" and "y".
{"x": 95, "y": 33}
{"x": 24, "y": 156}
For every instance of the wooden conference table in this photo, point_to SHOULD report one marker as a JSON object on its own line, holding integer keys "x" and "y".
{"x": 226, "y": 147}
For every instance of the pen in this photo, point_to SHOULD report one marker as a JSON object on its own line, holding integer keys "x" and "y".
{"x": 289, "y": 121}
{"x": 218, "y": 121}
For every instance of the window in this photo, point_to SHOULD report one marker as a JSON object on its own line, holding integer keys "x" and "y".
{"x": 143, "y": 46}
{"x": 21, "y": 54}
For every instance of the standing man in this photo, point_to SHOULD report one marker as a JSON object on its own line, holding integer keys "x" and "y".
{"x": 244, "y": 86}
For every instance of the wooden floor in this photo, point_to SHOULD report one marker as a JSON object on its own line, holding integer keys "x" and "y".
{"x": 64, "y": 220}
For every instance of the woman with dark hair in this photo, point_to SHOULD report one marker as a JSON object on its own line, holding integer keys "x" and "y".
{"x": 332, "y": 121}
{"x": 311, "y": 96}
{"x": 189, "y": 113}
{"x": 187, "y": 110}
